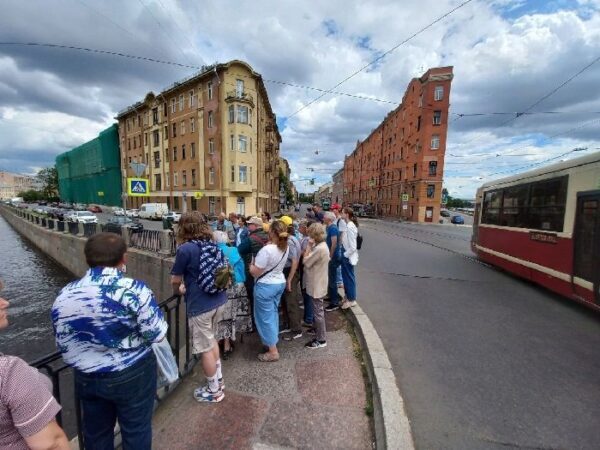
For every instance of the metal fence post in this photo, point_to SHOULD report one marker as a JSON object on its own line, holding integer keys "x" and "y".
{"x": 165, "y": 242}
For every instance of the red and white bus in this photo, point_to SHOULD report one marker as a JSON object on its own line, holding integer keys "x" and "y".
{"x": 544, "y": 225}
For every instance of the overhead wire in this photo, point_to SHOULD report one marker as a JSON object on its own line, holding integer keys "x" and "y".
{"x": 383, "y": 55}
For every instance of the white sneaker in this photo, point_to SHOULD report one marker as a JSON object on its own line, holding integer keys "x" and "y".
{"x": 348, "y": 304}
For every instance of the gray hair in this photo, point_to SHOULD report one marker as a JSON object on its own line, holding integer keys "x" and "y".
{"x": 220, "y": 237}
{"x": 329, "y": 215}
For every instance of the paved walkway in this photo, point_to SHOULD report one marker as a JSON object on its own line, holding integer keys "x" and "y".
{"x": 309, "y": 399}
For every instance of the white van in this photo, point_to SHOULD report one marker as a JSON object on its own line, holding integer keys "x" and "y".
{"x": 153, "y": 210}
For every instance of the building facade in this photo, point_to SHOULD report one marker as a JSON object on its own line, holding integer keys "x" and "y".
{"x": 337, "y": 189}
{"x": 209, "y": 143}
{"x": 398, "y": 168}
{"x": 11, "y": 184}
{"x": 324, "y": 193}
{"x": 91, "y": 173}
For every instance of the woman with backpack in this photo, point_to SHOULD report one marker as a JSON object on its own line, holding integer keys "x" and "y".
{"x": 267, "y": 269}
{"x": 350, "y": 257}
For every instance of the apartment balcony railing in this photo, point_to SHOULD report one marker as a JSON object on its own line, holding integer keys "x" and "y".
{"x": 237, "y": 96}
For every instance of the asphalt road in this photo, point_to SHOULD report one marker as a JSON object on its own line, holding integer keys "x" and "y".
{"x": 484, "y": 360}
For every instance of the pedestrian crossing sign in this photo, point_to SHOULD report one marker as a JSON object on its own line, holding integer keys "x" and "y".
{"x": 137, "y": 187}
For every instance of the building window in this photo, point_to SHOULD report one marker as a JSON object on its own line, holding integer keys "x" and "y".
{"x": 211, "y": 205}
{"x": 175, "y": 179}
{"x": 175, "y": 202}
{"x": 438, "y": 93}
{"x": 154, "y": 116}
{"x": 166, "y": 154}
{"x": 414, "y": 170}
{"x": 232, "y": 142}
{"x": 241, "y": 206}
{"x": 182, "y": 127}
{"x": 166, "y": 133}
{"x": 430, "y": 190}
{"x": 173, "y": 105}
{"x": 174, "y": 153}
{"x": 432, "y": 167}
{"x": 183, "y": 151}
{"x": 184, "y": 178}
{"x": 421, "y": 101}
{"x": 231, "y": 113}
{"x": 211, "y": 146}
{"x": 128, "y": 144}
{"x": 156, "y": 160}
{"x": 181, "y": 102}
{"x": 139, "y": 117}
{"x": 157, "y": 186}
{"x": 167, "y": 179}
{"x": 134, "y": 142}
{"x": 239, "y": 88}
{"x": 210, "y": 90}
{"x": 174, "y": 130}
{"x": 242, "y": 114}
{"x": 233, "y": 174}
{"x": 165, "y": 110}
{"x": 192, "y": 125}
{"x": 155, "y": 138}
{"x": 210, "y": 119}
{"x": 242, "y": 142}
{"x": 193, "y": 177}
{"x": 419, "y": 123}
{"x": 145, "y": 139}
{"x": 435, "y": 141}
{"x": 193, "y": 150}
{"x": 243, "y": 175}
{"x": 192, "y": 99}
{"x": 437, "y": 117}
{"x": 211, "y": 175}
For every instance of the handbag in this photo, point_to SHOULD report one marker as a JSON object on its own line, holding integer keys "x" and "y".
{"x": 168, "y": 372}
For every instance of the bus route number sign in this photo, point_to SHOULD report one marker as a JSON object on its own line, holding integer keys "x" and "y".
{"x": 548, "y": 238}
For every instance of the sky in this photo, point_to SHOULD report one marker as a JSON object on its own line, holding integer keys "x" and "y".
{"x": 539, "y": 57}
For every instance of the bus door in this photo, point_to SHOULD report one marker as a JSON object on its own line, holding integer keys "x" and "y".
{"x": 587, "y": 241}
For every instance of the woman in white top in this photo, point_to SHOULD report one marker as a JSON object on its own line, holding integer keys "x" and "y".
{"x": 267, "y": 269}
{"x": 350, "y": 257}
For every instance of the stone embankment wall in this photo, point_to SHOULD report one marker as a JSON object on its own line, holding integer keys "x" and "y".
{"x": 67, "y": 250}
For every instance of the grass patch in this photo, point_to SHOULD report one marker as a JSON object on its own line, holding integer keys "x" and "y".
{"x": 358, "y": 354}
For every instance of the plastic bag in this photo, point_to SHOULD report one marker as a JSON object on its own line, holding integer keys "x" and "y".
{"x": 168, "y": 372}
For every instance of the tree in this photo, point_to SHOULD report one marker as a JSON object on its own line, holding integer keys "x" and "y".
{"x": 48, "y": 179}
{"x": 31, "y": 195}
{"x": 287, "y": 188}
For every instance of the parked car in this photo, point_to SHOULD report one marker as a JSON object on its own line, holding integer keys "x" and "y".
{"x": 174, "y": 216}
{"x": 62, "y": 214}
{"x": 132, "y": 213}
{"x": 94, "y": 209}
{"x": 79, "y": 207}
{"x": 118, "y": 222}
{"x": 82, "y": 217}
{"x": 153, "y": 210}
{"x": 445, "y": 213}
{"x": 118, "y": 211}
{"x": 459, "y": 220}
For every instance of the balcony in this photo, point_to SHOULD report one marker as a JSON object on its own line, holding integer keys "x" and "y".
{"x": 236, "y": 96}
{"x": 269, "y": 128}
{"x": 240, "y": 187}
{"x": 269, "y": 147}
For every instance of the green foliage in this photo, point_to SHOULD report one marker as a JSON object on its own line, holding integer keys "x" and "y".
{"x": 48, "y": 178}
{"x": 306, "y": 198}
{"x": 287, "y": 188}
{"x": 31, "y": 195}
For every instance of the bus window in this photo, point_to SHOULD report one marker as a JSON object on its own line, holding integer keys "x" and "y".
{"x": 492, "y": 201}
{"x": 547, "y": 204}
{"x": 514, "y": 206}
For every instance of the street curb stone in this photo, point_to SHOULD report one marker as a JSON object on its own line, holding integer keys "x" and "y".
{"x": 392, "y": 427}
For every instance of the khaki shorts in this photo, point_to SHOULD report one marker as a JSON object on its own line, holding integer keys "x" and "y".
{"x": 203, "y": 328}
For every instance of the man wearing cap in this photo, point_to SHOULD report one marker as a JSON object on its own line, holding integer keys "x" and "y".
{"x": 318, "y": 213}
{"x": 249, "y": 246}
{"x": 340, "y": 223}
{"x": 291, "y": 294}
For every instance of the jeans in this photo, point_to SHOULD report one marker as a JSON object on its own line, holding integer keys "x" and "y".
{"x": 349, "y": 279}
{"x": 126, "y": 396}
{"x": 266, "y": 311}
{"x": 308, "y": 307}
{"x": 338, "y": 276}
{"x": 334, "y": 296}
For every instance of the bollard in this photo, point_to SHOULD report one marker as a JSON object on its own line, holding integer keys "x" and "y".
{"x": 98, "y": 228}
{"x": 80, "y": 230}
{"x": 165, "y": 242}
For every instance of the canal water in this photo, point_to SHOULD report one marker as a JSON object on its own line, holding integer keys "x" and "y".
{"x": 31, "y": 282}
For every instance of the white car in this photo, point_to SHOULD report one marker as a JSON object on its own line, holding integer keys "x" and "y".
{"x": 132, "y": 213}
{"x": 82, "y": 217}
{"x": 118, "y": 211}
{"x": 175, "y": 216}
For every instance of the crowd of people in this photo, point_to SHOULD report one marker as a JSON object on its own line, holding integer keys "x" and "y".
{"x": 238, "y": 275}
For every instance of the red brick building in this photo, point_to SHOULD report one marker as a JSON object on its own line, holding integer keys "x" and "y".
{"x": 398, "y": 168}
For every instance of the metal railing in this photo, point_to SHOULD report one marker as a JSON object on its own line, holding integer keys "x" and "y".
{"x": 145, "y": 240}
{"x": 60, "y": 373}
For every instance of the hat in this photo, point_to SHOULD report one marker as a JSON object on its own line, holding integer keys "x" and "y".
{"x": 287, "y": 220}
{"x": 336, "y": 206}
{"x": 256, "y": 221}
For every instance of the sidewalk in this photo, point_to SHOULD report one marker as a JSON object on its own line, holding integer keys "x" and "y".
{"x": 309, "y": 399}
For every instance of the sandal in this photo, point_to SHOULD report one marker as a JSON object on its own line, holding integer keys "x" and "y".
{"x": 267, "y": 357}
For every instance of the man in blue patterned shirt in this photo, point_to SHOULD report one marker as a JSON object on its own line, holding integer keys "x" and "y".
{"x": 105, "y": 325}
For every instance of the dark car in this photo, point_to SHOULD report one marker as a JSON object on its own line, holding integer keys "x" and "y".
{"x": 445, "y": 213}
{"x": 94, "y": 209}
{"x": 118, "y": 222}
{"x": 457, "y": 220}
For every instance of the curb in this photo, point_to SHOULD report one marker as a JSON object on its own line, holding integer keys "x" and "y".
{"x": 392, "y": 426}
